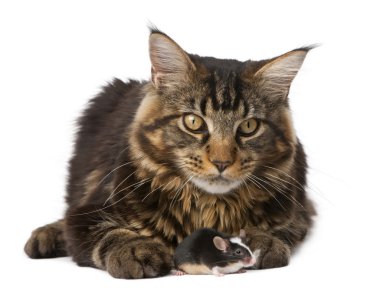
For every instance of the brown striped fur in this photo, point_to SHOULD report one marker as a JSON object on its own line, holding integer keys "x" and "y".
{"x": 132, "y": 195}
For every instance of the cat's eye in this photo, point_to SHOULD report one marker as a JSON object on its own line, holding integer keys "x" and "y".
{"x": 194, "y": 123}
{"x": 248, "y": 127}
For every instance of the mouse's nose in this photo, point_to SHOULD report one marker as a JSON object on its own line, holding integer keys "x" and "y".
{"x": 249, "y": 261}
{"x": 221, "y": 165}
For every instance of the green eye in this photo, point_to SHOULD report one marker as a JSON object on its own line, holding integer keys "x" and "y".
{"x": 248, "y": 127}
{"x": 194, "y": 123}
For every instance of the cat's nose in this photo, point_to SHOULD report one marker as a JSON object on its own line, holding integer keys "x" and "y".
{"x": 221, "y": 165}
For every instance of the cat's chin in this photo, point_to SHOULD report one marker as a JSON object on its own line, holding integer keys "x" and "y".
{"x": 220, "y": 186}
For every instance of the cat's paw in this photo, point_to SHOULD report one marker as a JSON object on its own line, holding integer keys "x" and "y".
{"x": 278, "y": 255}
{"x": 46, "y": 242}
{"x": 273, "y": 252}
{"x": 140, "y": 258}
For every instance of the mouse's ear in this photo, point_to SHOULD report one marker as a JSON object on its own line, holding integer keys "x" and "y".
{"x": 220, "y": 243}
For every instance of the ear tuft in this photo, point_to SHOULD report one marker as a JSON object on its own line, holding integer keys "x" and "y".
{"x": 276, "y": 76}
{"x": 170, "y": 63}
{"x": 154, "y": 29}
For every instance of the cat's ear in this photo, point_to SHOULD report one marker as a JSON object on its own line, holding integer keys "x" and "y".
{"x": 275, "y": 77}
{"x": 242, "y": 234}
{"x": 170, "y": 63}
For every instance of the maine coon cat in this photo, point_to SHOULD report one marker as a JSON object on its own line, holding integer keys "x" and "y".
{"x": 205, "y": 143}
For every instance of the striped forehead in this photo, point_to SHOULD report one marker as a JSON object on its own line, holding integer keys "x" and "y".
{"x": 224, "y": 95}
{"x": 237, "y": 240}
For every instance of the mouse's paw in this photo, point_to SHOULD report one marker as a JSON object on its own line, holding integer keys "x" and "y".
{"x": 179, "y": 273}
{"x": 216, "y": 272}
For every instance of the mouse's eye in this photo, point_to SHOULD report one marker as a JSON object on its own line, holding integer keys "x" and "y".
{"x": 238, "y": 252}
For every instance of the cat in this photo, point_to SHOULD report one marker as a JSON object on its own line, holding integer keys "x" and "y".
{"x": 205, "y": 143}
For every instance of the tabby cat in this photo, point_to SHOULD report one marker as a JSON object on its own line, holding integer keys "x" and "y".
{"x": 206, "y": 143}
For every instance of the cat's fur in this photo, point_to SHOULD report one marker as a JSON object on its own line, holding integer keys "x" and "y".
{"x": 132, "y": 195}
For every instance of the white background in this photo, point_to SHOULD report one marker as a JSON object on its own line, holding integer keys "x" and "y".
{"x": 55, "y": 55}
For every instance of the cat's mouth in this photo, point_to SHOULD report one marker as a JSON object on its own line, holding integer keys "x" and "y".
{"x": 218, "y": 185}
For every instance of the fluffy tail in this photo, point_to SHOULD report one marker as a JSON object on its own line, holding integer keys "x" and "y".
{"x": 47, "y": 242}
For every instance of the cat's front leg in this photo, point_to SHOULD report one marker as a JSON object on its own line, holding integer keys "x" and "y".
{"x": 139, "y": 257}
{"x": 121, "y": 252}
{"x": 274, "y": 253}
{"x": 47, "y": 241}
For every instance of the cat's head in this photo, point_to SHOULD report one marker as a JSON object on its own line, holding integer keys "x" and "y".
{"x": 214, "y": 122}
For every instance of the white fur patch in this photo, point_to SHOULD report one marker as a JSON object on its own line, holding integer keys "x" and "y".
{"x": 231, "y": 268}
{"x": 255, "y": 254}
{"x": 237, "y": 240}
{"x": 217, "y": 187}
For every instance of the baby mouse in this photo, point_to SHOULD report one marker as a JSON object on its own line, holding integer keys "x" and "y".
{"x": 207, "y": 251}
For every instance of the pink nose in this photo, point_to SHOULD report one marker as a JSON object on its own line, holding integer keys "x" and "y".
{"x": 249, "y": 261}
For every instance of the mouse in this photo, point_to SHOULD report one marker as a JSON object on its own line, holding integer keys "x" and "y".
{"x": 207, "y": 251}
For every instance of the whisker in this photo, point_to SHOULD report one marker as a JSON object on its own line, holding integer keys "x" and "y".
{"x": 282, "y": 192}
{"x": 285, "y": 173}
{"x": 139, "y": 183}
{"x": 278, "y": 178}
{"x": 246, "y": 186}
{"x": 270, "y": 193}
{"x": 142, "y": 182}
{"x": 254, "y": 182}
{"x": 179, "y": 190}
{"x": 125, "y": 179}
{"x": 167, "y": 184}
{"x": 105, "y": 177}
{"x": 142, "y": 200}
{"x": 302, "y": 186}
{"x": 122, "y": 151}
{"x": 115, "y": 189}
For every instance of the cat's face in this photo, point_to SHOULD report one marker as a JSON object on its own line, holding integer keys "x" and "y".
{"x": 216, "y": 122}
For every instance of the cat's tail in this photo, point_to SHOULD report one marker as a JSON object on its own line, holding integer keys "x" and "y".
{"x": 47, "y": 242}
